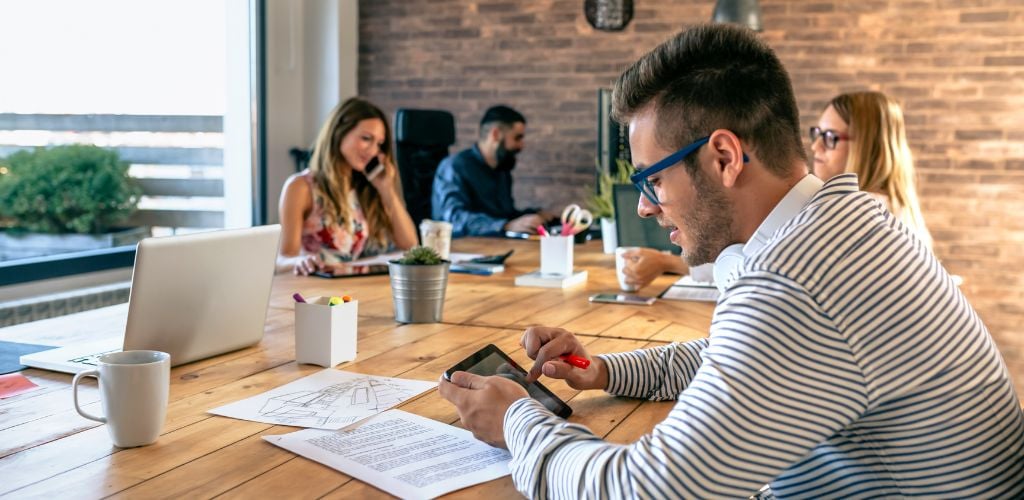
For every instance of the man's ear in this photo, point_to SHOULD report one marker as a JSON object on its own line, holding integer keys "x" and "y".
{"x": 495, "y": 134}
{"x": 728, "y": 154}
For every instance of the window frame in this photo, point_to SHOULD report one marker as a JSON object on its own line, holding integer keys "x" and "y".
{"x": 73, "y": 263}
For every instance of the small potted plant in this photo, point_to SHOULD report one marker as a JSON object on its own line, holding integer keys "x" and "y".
{"x": 418, "y": 283}
{"x": 602, "y": 205}
{"x": 65, "y": 198}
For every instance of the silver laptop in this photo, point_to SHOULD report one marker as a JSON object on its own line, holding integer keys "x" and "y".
{"x": 192, "y": 296}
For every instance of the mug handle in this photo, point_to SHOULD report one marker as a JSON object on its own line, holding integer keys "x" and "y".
{"x": 74, "y": 391}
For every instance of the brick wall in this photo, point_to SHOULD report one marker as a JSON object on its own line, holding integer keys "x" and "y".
{"x": 956, "y": 65}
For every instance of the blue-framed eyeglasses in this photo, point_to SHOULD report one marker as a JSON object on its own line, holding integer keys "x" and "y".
{"x": 643, "y": 184}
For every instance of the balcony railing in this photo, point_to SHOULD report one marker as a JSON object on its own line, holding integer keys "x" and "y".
{"x": 178, "y": 160}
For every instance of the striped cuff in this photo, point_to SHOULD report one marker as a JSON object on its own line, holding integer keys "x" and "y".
{"x": 516, "y": 417}
{"x": 519, "y": 419}
{"x": 620, "y": 383}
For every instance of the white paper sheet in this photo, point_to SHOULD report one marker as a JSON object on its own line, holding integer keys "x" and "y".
{"x": 377, "y": 259}
{"x": 406, "y": 455}
{"x": 328, "y": 399}
{"x": 688, "y": 289}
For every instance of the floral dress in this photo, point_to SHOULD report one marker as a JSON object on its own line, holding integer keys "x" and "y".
{"x": 336, "y": 243}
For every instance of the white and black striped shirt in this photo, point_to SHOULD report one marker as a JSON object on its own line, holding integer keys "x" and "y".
{"x": 843, "y": 362}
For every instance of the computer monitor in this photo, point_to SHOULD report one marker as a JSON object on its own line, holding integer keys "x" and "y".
{"x": 633, "y": 230}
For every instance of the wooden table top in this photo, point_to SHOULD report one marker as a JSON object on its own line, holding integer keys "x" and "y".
{"x": 46, "y": 448}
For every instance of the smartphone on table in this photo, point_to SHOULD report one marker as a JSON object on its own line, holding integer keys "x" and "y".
{"x": 492, "y": 361}
{"x": 622, "y": 298}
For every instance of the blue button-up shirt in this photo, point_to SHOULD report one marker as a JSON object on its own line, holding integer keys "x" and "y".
{"x": 475, "y": 198}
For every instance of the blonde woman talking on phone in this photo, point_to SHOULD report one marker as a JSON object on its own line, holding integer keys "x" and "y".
{"x": 347, "y": 204}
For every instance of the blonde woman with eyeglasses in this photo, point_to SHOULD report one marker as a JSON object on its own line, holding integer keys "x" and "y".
{"x": 864, "y": 133}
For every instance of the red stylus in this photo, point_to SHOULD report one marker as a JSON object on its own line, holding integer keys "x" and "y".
{"x": 575, "y": 360}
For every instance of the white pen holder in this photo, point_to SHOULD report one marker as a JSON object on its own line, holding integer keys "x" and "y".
{"x": 325, "y": 335}
{"x": 556, "y": 255}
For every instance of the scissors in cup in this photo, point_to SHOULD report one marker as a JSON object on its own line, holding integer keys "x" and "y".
{"x": 575, "y": 219}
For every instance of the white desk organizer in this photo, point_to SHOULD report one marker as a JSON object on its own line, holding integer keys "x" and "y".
{"x": 325, "y": 335}
{"x": 556, "y": 255}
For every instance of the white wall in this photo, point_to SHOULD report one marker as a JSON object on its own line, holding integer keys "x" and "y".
{"x": 312, "y": 61}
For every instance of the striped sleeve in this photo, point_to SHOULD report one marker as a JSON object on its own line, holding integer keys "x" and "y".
{"x": 776, "y": 380}
{"x": 660, "y": 373}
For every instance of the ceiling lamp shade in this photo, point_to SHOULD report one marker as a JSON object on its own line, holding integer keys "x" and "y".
{"x": 745, "y": 12}
{"x": 608, "y": 15}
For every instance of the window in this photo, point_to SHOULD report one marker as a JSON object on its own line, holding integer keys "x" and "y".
{"x": 173, "y": 86}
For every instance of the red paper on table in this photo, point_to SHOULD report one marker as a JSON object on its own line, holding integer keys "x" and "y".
{"x": 13, "y": 384}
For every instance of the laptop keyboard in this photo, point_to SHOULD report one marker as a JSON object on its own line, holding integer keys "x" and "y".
{"x": 91, "y": 359}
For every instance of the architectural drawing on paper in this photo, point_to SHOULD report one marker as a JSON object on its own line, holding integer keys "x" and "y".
{"x": 341, "y": 403}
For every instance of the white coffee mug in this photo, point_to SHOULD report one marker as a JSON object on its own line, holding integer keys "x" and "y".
{"x": 620, "y": 267}
{"x": 134, "y": 386}
{"x": 437, "y": 235}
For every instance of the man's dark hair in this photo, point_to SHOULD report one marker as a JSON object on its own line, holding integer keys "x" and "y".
{"x": 500, "y": 115}
{"x": 715, "y": 76}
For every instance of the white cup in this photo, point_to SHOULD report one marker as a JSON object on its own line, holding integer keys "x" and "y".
{"x": 620, "y": 267}
{"x": 133, "y": 387}
{"x": 556, "y": 255}
{"x": 437, "y": 235}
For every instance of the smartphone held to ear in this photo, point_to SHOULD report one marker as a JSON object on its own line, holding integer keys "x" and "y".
{"x": 373, "y": 168}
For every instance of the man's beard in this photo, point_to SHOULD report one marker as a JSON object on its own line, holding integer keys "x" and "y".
{"x": 506, "y": 157}
{"x": 708, "y": 223}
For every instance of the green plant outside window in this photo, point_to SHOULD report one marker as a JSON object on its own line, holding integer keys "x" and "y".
{"x": 66, "y": 189}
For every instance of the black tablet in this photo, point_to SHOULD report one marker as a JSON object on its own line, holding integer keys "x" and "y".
{"x": 347, "y": 271}
{"x": 491, "y": 361}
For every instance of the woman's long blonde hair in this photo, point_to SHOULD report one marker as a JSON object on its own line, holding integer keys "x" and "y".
{"x": 333, "y": 177}
{"x": 879, "y": 153}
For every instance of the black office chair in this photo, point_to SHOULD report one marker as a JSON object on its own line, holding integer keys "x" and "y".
{"x": 422, "y": 138}
{"x": 300, "y": 157}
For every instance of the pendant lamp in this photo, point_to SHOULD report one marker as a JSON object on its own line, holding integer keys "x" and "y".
{"x": 744, "y": 12}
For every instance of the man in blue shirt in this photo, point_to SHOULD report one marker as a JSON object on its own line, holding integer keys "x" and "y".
{"x": 473, "y": 188}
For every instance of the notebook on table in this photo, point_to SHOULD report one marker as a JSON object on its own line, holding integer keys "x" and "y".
{"x": 192, "y": 296}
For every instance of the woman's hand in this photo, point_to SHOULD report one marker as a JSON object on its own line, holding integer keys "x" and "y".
{"x": 643, "y": 265}
{"x": 383, "y": 179}
{"x": 307, "y": 264}
{"x": 403, "y": 233}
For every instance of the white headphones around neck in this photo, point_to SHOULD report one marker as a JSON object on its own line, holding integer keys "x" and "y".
{"x": 727, "y": 264}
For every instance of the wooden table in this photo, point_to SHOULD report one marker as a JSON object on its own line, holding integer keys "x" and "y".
{"x": 47, "y": 449}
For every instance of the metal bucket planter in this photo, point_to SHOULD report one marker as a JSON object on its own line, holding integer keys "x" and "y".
{"x": 418, "y": 291}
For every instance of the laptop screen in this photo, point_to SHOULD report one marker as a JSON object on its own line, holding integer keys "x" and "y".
{"x": 633, "y": 230}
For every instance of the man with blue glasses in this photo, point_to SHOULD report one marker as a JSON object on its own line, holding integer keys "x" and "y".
{"x": 842, "y": 361}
